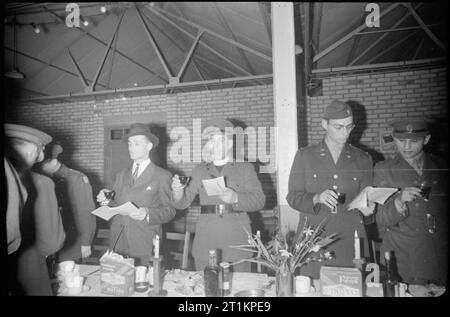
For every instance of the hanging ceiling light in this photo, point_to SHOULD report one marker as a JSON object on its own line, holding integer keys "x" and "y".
{"x": 102, "y": 9}
{"x": 36, "y": 29}
{"x": 15, "y": 73}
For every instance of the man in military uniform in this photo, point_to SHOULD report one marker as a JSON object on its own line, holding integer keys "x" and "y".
{"x": 222, "y": 217}
{"x": 322, "y": 170}
{"x": 148, "y": 187}
{"x": 411, "y": 224}
{"x": 41, "y": 225}
{"x": 75, "y": 196}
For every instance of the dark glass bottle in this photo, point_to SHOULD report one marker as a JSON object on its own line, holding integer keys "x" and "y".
{"x": 212, "y": 276}
{"x": 391, "y": 281}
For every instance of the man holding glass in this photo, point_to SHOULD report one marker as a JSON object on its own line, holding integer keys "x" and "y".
{"x": 414, "y": 222}
{"x": 324, "y": 179}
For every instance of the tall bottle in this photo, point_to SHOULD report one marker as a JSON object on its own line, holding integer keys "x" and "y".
{"x": 391, "y": 281}
{"x": 226, "y": 278}
{"x": 212, "y": 277}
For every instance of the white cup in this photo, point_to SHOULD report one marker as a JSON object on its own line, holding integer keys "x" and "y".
{"x": 141, "y": 274}
{"x": 74, "y": 284}
{"x": 302, "y": 284}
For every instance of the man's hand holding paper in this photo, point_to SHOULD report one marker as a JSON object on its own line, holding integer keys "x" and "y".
{"x": 366, "y": 199}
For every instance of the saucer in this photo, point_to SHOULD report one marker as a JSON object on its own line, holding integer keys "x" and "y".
{"x": 65, "y": 291}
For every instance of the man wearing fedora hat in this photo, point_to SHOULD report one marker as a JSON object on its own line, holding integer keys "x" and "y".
{"x": 148, "y": 187}
{"x": 324, "y": 179}
{"x": 414, "y": 222}
{"x": 41, "y": 225}
{"x": 74, "y": 193}
{"x": 222, "y": 217}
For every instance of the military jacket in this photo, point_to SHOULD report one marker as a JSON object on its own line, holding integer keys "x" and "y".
{"x": 418, "y": 237}
{"x": 314, "y": 171}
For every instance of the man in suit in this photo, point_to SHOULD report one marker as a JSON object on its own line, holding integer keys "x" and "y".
{"x": 41, "y": 225}
{"x": 147, "y": 186}
{"x": 74, "y": 193}
{"x": 413, "y": 224}
{"x": 321, "y": 171}
{"x": 222, "y": 217}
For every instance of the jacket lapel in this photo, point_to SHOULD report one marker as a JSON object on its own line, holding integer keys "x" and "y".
{"x": 146, "y": 175}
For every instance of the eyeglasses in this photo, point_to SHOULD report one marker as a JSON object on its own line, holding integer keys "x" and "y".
{"x": 340, "y": 127}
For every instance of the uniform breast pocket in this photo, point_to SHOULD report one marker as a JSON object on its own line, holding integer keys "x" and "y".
{"x": 353, "y": 179}
{"x": 234, "y": 182}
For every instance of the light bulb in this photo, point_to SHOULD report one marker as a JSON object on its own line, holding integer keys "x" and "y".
{"x": 102, "y": 9}
{"x": 85, "y": 22}
{"x": 36, "y": 29}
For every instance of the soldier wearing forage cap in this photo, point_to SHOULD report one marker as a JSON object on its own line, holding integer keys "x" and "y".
{"x": 74, "y": 194}
{"x": 322, "y": 170}
{"x": 148, "y": 187}
{"x": 219, "y": 225}
{"x": 41, "y": 225}
{"x": 411, "y": 224}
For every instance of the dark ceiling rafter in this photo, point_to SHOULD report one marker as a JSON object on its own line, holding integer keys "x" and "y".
{"x": 226, "y": 59}
{"x": 105, "y": 44}
{"x": 215, "y": 34}
{"x": 203, "y": 44}
{"x": 224, "y": 22}
{"x": 371, "y": 46}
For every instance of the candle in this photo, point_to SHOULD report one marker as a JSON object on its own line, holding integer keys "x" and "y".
{"x": 357, "y": 246}
{"x": 258, "y": 265}
{"x": 156, "y": 246}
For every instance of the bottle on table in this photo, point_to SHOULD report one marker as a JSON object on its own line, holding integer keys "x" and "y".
{"x": 226, "y": 278}
{"x": 391, "y": 281}
{"x": 212, "y": 278}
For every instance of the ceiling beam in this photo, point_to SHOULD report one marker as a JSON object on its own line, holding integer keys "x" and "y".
{"x": 351, "y": 34}
{"x": 230, "y": 31}
{"x": 47, "y": 63}
{"x": 356, "y": 40}
{"x": 154, "y": 45}
{"x": 391, "y": 65}
{"x": 399, "y": 29}
{"x": 424, "y": 27}
{"x": 397, "y": 43}
{"x": 99, "y": 70}
{"x": 201, "y": 43}
{"x": 80, "y": 73}
{"x": 371, "y": 46}
{"x": 104, "y": 43}
{"x": 317, "y": 24}
{"x": 115, "y": 92}
{"x": 223, "y": 38}
{"x": 189, "y": 55}
{"x": 419, "y": 47}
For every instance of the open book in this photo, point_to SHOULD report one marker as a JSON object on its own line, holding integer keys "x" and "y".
{"x": 371, "y": 194}
{"x": 107, "y": 213}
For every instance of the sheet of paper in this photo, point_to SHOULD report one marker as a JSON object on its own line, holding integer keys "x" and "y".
{"x": 380, "y": 195}
{"x": 107, "y": 213}
{"x": 214, "y": 186}
{"x": 372, "y": 194}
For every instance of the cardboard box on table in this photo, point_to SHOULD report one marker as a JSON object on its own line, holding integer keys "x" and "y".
{"x": 117, "y": 275}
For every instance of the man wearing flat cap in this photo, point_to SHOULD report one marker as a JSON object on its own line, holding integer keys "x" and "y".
{"x": 327, "y": 171}
{"x": 414, "y": 222}
{"x": 147, "y": 186}
{"x": 74, "y": 193}
{"x": 41, "y": 225}
{"x": 222, "y": 217}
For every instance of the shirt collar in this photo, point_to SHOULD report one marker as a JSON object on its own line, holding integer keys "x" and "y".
{"x": 142, "y": 165}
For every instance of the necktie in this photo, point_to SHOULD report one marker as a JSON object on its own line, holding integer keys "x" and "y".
{"x": 135, "y": 173}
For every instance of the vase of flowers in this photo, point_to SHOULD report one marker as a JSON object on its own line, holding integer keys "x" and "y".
{"x": 285, "y": 253}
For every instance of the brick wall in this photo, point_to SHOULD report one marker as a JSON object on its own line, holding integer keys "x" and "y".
{"x": 80, "y": 125}
{"x": 375, "y": 97}
{"x": 378, "y": 97}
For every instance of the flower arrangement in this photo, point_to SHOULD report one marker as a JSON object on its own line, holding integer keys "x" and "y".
{"x": 286, "y": 253}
